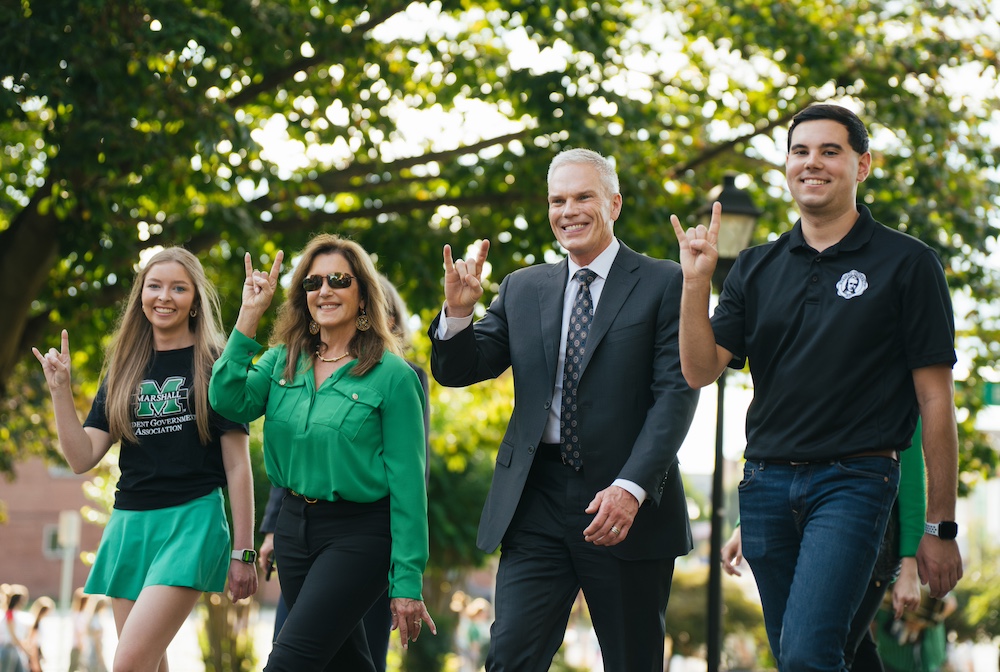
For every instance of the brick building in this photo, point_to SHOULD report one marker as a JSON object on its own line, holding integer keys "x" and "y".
{"x": 29, "y": 551}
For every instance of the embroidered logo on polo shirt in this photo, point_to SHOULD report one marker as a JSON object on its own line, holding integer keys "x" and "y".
{"x": 852, "y": 284}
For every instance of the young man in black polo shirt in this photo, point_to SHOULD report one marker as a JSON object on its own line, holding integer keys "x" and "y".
{"x": 849, "y": 331}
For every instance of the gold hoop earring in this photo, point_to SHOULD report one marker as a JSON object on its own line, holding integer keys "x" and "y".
{"x": 313, "y": 327}
{"x": 362, "y": 322}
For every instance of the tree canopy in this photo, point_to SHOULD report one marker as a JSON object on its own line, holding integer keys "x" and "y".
{"x": 248, "y": 126}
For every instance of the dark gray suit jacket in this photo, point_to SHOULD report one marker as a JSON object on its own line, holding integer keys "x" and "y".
{"x": 636, "y": 407}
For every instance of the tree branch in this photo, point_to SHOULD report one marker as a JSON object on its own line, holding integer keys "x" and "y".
{"x": 712, "y": 152}
{"x": 336, "y": 181}
{"x": 321, "y": 219}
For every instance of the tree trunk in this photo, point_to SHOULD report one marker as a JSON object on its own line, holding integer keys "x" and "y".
{"x": 28, "y": 251}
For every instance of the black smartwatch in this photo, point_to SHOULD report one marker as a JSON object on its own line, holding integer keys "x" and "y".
{"x": 946, "y": 529}
{"x": 247, "y": 555}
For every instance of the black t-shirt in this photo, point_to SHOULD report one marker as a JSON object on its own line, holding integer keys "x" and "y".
{"x": 169, "y": 465}
{"x": 833, "y": 337}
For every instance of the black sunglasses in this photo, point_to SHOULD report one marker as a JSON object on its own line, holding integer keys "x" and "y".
{"x": 335, "y": 280}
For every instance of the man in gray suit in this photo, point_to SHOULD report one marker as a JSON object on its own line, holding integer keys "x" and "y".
{"x": 586, "y": 492}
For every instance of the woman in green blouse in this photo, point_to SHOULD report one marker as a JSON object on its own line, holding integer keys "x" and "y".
{"x": 343, "y": 433}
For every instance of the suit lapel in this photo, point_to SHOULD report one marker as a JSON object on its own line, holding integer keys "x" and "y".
{"x": 620, "y": 282}
{"x": 550, "y": 307}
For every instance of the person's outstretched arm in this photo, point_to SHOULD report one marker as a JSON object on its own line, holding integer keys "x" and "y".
{"x": 702, "y": 360}
{"x": 82, "y": 447}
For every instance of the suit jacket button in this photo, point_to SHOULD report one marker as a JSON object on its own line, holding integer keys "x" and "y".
{"x": 547, "y": 405}
{"x": 531, "y": 449}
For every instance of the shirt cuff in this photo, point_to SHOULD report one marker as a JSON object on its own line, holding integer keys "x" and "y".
{"x": 449, "y": 326}
{"x": 633, "y": 488}
{"x": 241, "y": 348}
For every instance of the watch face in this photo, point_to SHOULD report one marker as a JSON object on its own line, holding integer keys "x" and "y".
{"x": 947, "y": 529}
{"x": 248, "y": 556}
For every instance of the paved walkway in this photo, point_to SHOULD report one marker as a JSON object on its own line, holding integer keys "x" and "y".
{"x": 184, "y": 653}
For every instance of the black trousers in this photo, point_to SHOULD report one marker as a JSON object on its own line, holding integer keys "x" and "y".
{"x": 334, "y": 563}
{"x": 378, "y": 627}
{"x": 545, "y": 562}
{"x": 862, "y": 654}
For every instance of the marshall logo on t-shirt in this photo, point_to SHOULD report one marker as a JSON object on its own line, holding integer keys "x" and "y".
{"x": 168, "y": 402}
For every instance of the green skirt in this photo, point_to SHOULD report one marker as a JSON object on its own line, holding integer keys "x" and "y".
{"x": 186, "y": 545}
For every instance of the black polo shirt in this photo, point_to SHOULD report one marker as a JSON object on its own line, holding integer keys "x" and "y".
{"x": 832, "y": 338}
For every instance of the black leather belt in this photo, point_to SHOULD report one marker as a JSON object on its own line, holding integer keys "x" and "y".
{"x": 891, "y": 454}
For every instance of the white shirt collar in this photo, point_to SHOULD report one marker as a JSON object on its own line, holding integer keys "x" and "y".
{"x": 602, "y": 264}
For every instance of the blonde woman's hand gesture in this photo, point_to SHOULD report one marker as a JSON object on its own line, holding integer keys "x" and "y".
{"x": 56, "y": 365}
{"x": 258, "y": 291}
{"x": 82, "y": 448}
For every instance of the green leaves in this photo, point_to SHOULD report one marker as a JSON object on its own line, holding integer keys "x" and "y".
{"x": 231, "y": 127}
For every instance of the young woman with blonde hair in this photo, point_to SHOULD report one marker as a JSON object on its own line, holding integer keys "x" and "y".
{"x": 167, "y": 540}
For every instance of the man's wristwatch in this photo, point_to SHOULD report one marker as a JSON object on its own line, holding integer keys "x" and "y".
{"x": 946, "y": 529}
{"x": 247, "y": 555}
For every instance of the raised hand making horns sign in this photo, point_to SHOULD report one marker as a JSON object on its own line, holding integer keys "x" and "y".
{"x": 258, "y": 291}
{"x": 463, "y": 280}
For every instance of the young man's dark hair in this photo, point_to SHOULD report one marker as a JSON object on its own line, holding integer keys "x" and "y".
{"x": 857, "y": 134}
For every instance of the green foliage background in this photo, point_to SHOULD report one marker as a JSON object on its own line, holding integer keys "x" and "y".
{"x": 130, "y": 124}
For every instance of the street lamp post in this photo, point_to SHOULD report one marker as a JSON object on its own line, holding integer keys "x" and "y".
{"x": 739, "y": 218}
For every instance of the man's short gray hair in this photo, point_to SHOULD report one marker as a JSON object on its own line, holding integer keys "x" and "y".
{"x": 605, "y": 168}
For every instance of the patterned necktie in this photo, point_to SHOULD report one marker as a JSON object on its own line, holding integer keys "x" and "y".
{"x": 576, "y": 343}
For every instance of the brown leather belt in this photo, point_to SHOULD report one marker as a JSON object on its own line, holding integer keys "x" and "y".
{"x": 889, "y": 453}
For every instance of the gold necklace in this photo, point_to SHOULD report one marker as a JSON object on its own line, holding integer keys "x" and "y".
{"x": 331, "y": 359}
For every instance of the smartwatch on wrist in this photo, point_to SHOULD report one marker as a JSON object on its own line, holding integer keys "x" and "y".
{"x": 946, "y": 529}
{"x": 247, "y": 555}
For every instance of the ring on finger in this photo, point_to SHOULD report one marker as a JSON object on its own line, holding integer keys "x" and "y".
{"x": 615, "y": 530}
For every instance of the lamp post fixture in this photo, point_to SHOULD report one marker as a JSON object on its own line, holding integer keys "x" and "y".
{"x": 739, "y": 218}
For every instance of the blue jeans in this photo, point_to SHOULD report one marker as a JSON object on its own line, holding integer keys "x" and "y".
{"x": 811, "y": 534}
